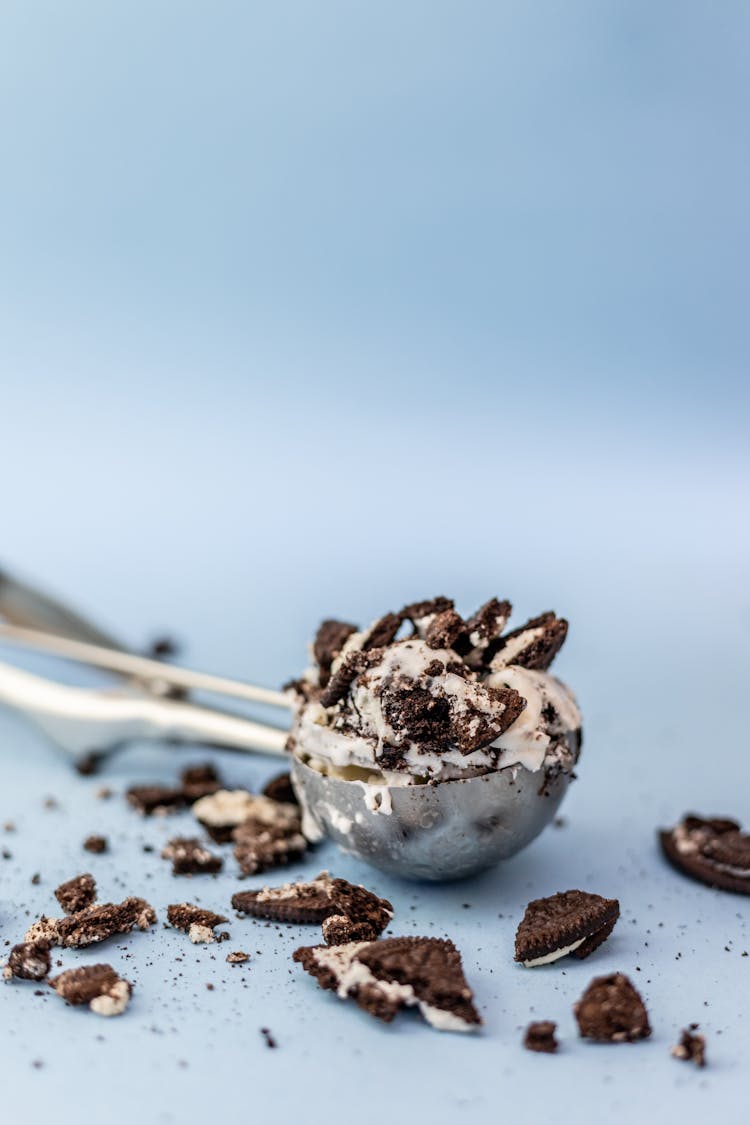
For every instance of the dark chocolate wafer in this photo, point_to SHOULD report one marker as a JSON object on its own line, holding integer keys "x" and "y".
{"x": 571, "y": 922}
{"x": 29, "y": 960}
{"x": 384, "y": 976}
{"x": 77, "y": 893}
{"x": 712, "y": 850}
{"x": 611, "y": 1011}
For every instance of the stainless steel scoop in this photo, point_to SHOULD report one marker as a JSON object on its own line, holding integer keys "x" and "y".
{"x": 435, "y": 831}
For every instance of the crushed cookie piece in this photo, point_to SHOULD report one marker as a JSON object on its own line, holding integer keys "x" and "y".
{"x": 29, "y": 960}
{"x": 611, "y": 1011}
{"x": 691, "y": 1047}
{"x": 77, "y": 893}
{"x": 95, "y": 923}
{"x": 347, "y": 912}
{"x": 239, "y": 957}
{"x": 540, "y": 1037}
{"x": 196, "y": 922}
{"x": 99, "y": 986}
{"x": 391, "y": 973}
{"x": 190, "y": 857}
{"x": 280, "y": 788}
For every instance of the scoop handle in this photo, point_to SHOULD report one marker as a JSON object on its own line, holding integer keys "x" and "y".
{"x": 86, "y": 723}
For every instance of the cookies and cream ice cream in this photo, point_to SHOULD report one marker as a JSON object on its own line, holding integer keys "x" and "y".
{"x": 425, "y": 695}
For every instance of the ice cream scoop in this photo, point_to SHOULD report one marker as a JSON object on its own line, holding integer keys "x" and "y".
{"x": 428, "y": 745}
{"x": 431, "y": 745}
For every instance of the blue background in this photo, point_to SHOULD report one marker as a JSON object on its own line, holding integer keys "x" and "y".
{"x": 314, "y": 309}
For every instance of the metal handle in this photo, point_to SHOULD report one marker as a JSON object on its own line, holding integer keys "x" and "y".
{"x": 142, "y": 667}
{"x": 85, "y": 722}
{"x": 22, "y": 604}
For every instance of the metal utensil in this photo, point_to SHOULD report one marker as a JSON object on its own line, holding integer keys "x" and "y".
{"x": 435, "y": 831}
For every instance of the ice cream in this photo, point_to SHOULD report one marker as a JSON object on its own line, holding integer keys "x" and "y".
{"x": 425, "y": 695}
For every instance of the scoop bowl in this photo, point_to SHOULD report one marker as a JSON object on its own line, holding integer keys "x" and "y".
{"x": 438, "y": 831}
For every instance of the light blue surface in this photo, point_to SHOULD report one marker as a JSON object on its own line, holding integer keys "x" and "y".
{"x": 320, "y": 310}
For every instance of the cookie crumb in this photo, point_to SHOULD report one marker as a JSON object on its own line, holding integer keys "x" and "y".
{"x": 239, "y": 957}
{"x": 540, "y": 1036}
{"x": 29, "y": 960}
{"x": 611, "y": 1011}
{"x": 190, "y": 857}
{"x": 77, "y": 893}
{"x": 197, "y": 923}
{"x": 96, "y": 844}
{"x": 691, "y": 1047}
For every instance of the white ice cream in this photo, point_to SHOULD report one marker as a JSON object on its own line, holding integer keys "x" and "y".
{"x": 323, "y": 736}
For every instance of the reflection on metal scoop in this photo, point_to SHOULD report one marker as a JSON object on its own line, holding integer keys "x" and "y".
{"x": 441, "y": 830}
{"x": 435, "y": 831}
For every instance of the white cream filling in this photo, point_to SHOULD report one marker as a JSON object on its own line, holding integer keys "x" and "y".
{"x": 555, "y": 955}
{"x": 231, "y": 807}
{"x": 507, "y": 654}
{"x": 283, "y": 893}
{"x": 201, "y": 935}
{"x": 114, "y": 1002}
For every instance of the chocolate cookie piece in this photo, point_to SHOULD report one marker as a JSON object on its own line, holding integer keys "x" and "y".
{"x": 712, "y": 850}
{"x": 199, "y": 781}
{"x": 347, "y": 912}
{"x": 416, "y": 714}
{"x": 99, "y": 986}
{"x": 190, "y": 857}
{"x": 342, "y": 678}
{"x": 29, "y": 960}
{"x": 494, "y": 711}
{"x": 384, "y": 976}
{"x": 226, "y": 809}
{"x": 96, "y": 844}
{"x": 540, "y": 1036}
{"x": 239, "y": 957}
{"x": 44, "y": 929}
{"x": 197, "y": 923}
{"x": 691, "y": 1047}
{"x": 421, "y": 613}
{"x": 155, "y": 800}
{"x": 292, "y": 902}
{"x": 571, "y": 922}
{"x": 383, "y": 632}
{"x": 280, "y": 788}
{"x": 356, "y": 914}
{"x": 259, "y": 846}
{"x": 483, "y": 630}
{"x": 534, "y": 645}
{"x": 329, "y": 641}
{"x": 97, "y": 923}
{"x": 612, "y": 1011}
{"x": 444, "y": 629}
{"x": 77, "y": 893}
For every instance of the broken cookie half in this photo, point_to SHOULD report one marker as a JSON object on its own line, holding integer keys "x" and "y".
{"x": 99, "y": 986}
{"x": 197, "y": 923}
{"x": 405, "y": 972}
{"x": 29, "y": 960}
{"x": 571, "y": 922}
{"x": 346, "y": 911}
